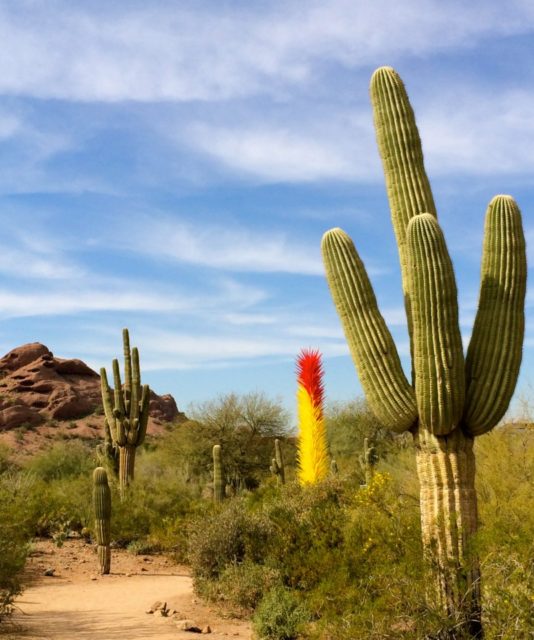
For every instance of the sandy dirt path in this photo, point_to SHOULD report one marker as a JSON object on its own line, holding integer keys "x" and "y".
{"x": 78, "y": 603}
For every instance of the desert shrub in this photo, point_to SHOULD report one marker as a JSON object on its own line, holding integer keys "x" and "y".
{"x": 153, "y": 512}
{"x": 280, "y": 615}
{"x": 350, "y": 556}
{"x": 228, "y": 536}
{"x": 307, "y": 533}
{"x": 505, "y": 460}
{"x": 241, "y": 586}
{"x": 62, "y": 506}
{"x": 63, "y": 460}
{"x": 16, "y": 529}
{"x": 61, "y": 501}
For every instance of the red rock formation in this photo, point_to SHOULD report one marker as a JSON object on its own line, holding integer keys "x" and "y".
{"x": 35, "y": 387}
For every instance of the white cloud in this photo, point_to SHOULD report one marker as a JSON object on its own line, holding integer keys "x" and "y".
{"x": 478, "y": 132}
{"x": 94, "y": 294}
{"x": 21, "y": 264}
{"x": 72, "y": 301}
{"x": 273, "y": 154}
{"x": 215, "y": 50}
{"x": 230, "y": 247}
{"x": 172, "y": 350}
{"x": 246, "y": 319}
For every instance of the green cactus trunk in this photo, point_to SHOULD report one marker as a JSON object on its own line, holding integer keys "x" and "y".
{"x": 126, "y": 410}
{"x": 218, "y": 475}
{"x": 102, "y": 509}
{"x": 126, "y": 464}
{"x": 449, "y": 401}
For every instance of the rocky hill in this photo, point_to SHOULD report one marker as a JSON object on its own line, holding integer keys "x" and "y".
{"x": 50, "y": 396}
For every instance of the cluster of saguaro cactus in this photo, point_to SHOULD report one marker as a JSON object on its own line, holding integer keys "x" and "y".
{"x": 126, "y": 410}
{"x": 102, "y": 509}
{"x": 219, "y": 485}
{"x": 450, "y": 400}
{"x": 277, "y": 463}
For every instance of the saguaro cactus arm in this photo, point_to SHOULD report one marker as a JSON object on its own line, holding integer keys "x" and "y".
{"x": 495, "y": 349}
{"x": 399, "y": 144}
{"x": 438, "y": 354}
{"x": 373, "y": 351}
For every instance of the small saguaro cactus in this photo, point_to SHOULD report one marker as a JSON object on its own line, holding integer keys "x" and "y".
{"x": 277, "y": 463}
{"x": 334, "y": 469}
{"x": 450, "y": 400}
{"x": 102, "y": 509}
{"x": 219, "y": 489}
{"x": 369, "y": 460}
{"x": 126, "y": 410}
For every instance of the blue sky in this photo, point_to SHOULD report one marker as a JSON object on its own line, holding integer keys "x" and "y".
{"x": 172, "y": 166}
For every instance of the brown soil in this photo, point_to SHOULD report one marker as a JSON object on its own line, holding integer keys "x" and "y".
{"x": 78, "y": 602}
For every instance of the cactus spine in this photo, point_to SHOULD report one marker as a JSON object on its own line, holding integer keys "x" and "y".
{"x": 126, "y": 410}
{"x": 449, "y": 401}
{"x": 102, "y": 508}
{"x": 277, "y": 463}
{"x": 218, "y": 475}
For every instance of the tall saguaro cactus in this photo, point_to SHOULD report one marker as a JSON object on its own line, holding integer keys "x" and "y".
{"x": 450, "y": 400}
{"x": 102, "y": 509}
{"x": 126, "y": 409}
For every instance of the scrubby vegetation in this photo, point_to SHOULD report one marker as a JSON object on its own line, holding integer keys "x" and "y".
{"x": 339, "y": 559}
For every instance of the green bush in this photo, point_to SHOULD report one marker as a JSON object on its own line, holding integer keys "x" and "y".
{"x": 16, "y": 529}
{"x": 351, "y": 556}
{"x": 62, "y": 461}
{"x": 241, "y": 587}
{"x": 227, "y": 536}
{"x": 505, "y": 460}
{"x": 280, "y": 616}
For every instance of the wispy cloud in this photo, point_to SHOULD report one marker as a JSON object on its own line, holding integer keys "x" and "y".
{"x": 31, "y": 253}
{"x": 92, "y": 294}
{"x": 478, "y": 132}
{"x": 214, "y": 51}
{"x": 178, "y": 350}
{"x": 231, "y": 247}
{"x": 279, "y": 155}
